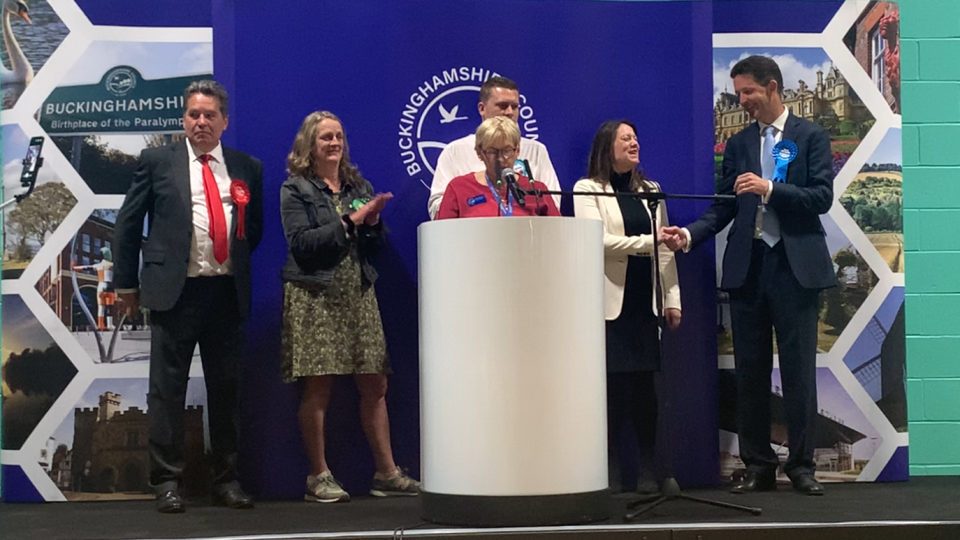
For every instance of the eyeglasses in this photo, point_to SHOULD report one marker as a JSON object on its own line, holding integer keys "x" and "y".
{"x": 507, "y": 152}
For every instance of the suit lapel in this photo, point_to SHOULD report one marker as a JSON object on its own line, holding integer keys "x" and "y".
{"x": 180, "y": 165}
{"x": 612, "y": 209}
{"x": 233, "y": 171}
{"x": 752, "y": 135}
{"x": 789, "y": 134}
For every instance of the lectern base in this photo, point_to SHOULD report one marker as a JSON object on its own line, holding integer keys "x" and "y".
{"x": 515, "y": 511}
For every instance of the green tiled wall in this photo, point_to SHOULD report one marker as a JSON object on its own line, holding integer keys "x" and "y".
{"x": 930, "y": 44}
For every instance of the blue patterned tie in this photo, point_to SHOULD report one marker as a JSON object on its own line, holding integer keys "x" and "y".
{"x": 771, "y": 223}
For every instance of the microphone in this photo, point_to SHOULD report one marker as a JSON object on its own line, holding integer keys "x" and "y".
{"x": 522, "y": 166}
{"x": 513, "y": 185}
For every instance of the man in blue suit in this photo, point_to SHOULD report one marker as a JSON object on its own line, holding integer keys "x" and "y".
{"x": 775, "y": 264}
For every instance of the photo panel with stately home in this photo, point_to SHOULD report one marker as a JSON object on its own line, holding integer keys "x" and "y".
{"x": 813, "y": 89}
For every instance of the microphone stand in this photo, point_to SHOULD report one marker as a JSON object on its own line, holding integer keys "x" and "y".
{"x": 671, "y": 489}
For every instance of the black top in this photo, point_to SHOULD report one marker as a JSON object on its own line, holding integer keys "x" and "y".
{"x": 632, "y": 338}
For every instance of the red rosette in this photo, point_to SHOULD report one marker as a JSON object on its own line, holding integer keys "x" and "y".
{"x": 240, "y": 194}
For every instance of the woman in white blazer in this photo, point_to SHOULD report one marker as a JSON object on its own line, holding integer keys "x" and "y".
{"x": 633, "y": 353}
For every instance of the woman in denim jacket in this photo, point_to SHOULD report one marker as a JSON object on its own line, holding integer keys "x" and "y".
{"x": 331, "y": 320}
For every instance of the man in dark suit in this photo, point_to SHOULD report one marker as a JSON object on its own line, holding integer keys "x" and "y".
{"x": 775, "y": 264}
{"x": 204, "y": 206}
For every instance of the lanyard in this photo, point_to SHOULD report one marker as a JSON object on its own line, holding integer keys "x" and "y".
{"x": 505, "y": 210}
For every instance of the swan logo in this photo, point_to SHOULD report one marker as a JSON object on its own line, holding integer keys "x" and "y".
{"x": 121, "y": 81}
{"x": 443, "y": 108}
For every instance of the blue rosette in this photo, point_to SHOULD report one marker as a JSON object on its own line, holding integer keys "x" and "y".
{"x": 783, "y": 153}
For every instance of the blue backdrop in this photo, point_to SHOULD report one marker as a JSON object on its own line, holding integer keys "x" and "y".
{"x": 577, "y": 63}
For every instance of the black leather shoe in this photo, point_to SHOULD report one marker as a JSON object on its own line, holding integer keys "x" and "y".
{"x": 756, "y": 481}
{"x": 233, "y": 497}
{"x": 170, "y": 502}
{"x": 806, "y": 484}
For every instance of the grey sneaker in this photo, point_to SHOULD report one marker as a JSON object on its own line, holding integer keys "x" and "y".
{"x": 323, "y": 488}
{"x": 398, "y": 485}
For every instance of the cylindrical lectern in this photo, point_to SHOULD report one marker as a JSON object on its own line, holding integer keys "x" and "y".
{"x": 512, "y": 371}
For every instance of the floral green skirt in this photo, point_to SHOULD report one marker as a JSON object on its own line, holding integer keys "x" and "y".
{"x": 333, "y": 329}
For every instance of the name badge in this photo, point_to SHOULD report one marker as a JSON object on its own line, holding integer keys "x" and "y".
{"x": 479, "y": 199}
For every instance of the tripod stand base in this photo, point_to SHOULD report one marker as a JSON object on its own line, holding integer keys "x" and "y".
{"x": 671, "y": 492}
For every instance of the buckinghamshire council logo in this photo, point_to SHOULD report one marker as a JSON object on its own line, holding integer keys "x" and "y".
{"x": 441, "y": 109}
{"x": 120, "y": 81}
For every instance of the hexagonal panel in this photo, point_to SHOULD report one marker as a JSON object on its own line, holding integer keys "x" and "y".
{"x": 856, "y": 281}
{"x": 79, "y": 289}
{"x": 837, "y": 305}
{"x": 99, "y": 451}
{"x": 35, "y": 371}
{"x": 878, "y": 357}
{"x": 118, "y": 99}
{"x": 814, "y": 89}
{"x": 874, "y": 199}
{"x": 874, "y": 40}
{"x": 845, "y": 442}
{"x": 32, "y": 30}
{"x": 28, "y": 224}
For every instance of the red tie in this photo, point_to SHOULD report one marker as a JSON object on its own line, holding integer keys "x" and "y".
{"x": 218, "y": 222}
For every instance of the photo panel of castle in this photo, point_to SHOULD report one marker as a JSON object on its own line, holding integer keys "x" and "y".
{"x": 117, "y": 100}
{"x": 813, "y": 88}
{"x": 35, "y": 371}
{"x": 100, "y": 450}
{"x": 846, "y": 441}
{"x": 875, "y": 42}
{"x": 878, "y": 359}
{"x": 28, "y": 225}
{"x": 32, "y": 31}
{"x": 874, "y": 199}
{"x": 837, "y": 305}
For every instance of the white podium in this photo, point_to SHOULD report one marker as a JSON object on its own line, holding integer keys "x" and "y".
{"x": 512, "y": 371}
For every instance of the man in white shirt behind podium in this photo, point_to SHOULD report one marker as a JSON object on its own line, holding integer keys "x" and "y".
{"x": 499, "y": 96}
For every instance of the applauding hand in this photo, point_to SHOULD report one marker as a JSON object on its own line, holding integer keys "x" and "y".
{"x": 369, "y": 213}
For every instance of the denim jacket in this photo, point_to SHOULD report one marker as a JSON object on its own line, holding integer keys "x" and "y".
{"x": 316, "y": 238}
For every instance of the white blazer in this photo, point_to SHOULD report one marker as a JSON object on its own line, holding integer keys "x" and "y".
{"x": 617, "y": 247}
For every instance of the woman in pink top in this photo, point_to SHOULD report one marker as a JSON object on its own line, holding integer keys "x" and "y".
{"x": 485, "y": 193}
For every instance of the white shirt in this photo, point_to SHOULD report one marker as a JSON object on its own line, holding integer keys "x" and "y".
{"x": 460, "y": 158}
{"x": 202, "y": 262}
{"x": 778, "y": 125}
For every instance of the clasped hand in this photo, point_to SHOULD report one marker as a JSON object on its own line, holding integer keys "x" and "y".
{"x": 673, "y": 238}
{"x": 369, "y": 213}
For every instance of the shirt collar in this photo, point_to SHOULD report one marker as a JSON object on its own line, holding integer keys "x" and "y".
{"x": 217, "y": 153}
{"x": 779, "y": 123}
